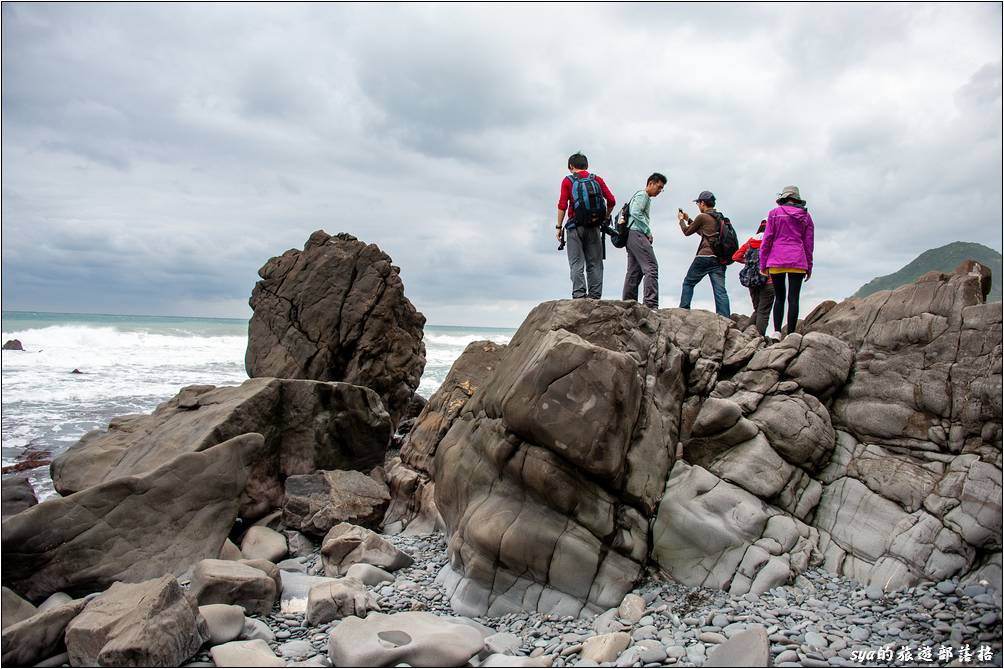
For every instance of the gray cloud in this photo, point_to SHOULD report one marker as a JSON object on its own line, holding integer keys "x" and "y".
{"x": 156, "y": 155}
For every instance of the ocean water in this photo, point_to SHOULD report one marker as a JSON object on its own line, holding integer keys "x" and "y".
{"x": 130, "y": 364}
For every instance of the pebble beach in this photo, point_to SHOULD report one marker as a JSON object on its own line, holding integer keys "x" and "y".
{"x": 820, "y": 620}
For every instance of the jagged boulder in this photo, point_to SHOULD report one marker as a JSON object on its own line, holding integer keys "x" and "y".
{"x": 307, "y": 425}
{"x": 410, "y": 477}
{"x": 336, "y": 311}
{"x": 315, "y": 503}
{"x": 132, "y": 528}
{"x": 547, "y": 477}
{"x": 150, "y": 624}
{"x": 928, "y": 372}
{"x": 40, "y": 636}
{"x": 868, "y": 443}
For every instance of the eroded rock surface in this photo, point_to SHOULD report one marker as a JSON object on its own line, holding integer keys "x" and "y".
{"x": 870, "y": 444}
{"x": 336, "y": 311}
{"x": 547, "y": 476}
{"x": 149, "y": 624}
{"x": 410, "y": 477}
{"x": 130, "y": 529}
{"x": 315, "y": 503}
{"x": 307, "y": 425}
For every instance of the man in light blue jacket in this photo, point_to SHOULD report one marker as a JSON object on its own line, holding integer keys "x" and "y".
{"x": 641, "y": 256}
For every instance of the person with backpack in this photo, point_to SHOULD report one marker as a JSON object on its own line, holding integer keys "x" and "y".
{"x": 761, "y": 288}
{"x": 786, "y": 254}
{"x": 711, "y": 258}
{"x": 640, "y": 255}
{"x": 588, "y": 203}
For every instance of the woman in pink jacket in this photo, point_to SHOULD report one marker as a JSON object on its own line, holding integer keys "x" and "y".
{"x": 786, "y": 254}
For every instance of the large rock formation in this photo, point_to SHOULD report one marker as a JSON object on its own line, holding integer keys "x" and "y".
{"x": 132, "y": 528}
{"x": 548, "y": 476}
{"x": 307, "y": 425}
{"x": 870, "y": 444}
{"x": 413, "y": 507}
{"x": 336, "y": 311}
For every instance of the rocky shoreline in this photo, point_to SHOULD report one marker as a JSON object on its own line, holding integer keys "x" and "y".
{"x": 617, "y": 486}
{"x": 821, "y": 620}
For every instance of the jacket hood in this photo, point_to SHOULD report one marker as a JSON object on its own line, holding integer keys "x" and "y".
{"x": 795, "y": 212}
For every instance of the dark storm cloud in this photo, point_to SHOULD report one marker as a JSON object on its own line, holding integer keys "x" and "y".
{"x": 155, "y": 155}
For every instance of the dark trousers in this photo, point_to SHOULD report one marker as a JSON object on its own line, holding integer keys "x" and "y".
{"x": 641, "y": 262}
{"x": 794, "y": 287}
{"x": 763, "y": 300}
{"x": 714, "y": 270}
{"x": 585, "y": 261}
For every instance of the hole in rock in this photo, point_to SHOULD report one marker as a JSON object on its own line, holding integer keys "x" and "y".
{"x": 393, "y": 638}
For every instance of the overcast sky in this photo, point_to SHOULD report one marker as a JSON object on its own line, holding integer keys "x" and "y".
{"x": 156, "y": 155}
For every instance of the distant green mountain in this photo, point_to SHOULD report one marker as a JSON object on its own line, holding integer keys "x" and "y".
{"x": 943, "y": 259}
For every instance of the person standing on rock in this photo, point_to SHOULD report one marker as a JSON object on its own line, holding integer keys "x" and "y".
{"x": 707, "y": 225}
{"x": 588, "y": 203}
{"x": 786, "y": 254}
{"x": 761, "y": 288}
{"x": 640, "y": 255}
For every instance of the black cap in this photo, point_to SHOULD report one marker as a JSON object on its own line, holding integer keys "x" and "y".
{"x": 706, "y": 196}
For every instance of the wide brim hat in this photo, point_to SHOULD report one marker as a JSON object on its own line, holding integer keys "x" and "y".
{"x": 789, "y": 192}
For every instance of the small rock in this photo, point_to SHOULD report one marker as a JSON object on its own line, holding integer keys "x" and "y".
{"x": 225, "y": 622}
{"x": 632, "y": 608}
{"x": 13, "y": 345}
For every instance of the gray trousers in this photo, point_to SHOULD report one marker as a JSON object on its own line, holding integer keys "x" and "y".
{"x": 763, "y": 300}
{"x": 641, "y": 262}
{"x": 585, "y": 255}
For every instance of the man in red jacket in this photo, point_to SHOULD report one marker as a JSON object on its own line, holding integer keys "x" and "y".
{"x": 583, "y": 238}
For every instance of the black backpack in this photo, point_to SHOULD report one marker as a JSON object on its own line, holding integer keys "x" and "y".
{"x": 750, "y": 275}
{"x": 726, "y": 243}
{"x": 588, "y": 202}
{"x": 619, "y": 231}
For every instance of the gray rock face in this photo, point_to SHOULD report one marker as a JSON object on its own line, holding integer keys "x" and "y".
{"x": 346, "y": 545}
{"x": 17, "y": 495}
{"x": 546, "y": 477}
{"x": 315, "y": 503}
{"x": 15, "y": 608}
{"x": 410, "y": 478}
{"x": 307, "y": 425}
{"x": 130, "y": 529}
{"x": 870, "y": 445}
{"x": 38, "y": 636}
{"x": 152, "y": 624}
{"x": 416, "y": 638}
{"x": 227, "y": 582}
{"x": 336, "y": 311}
{"x": 712, "y": 533}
